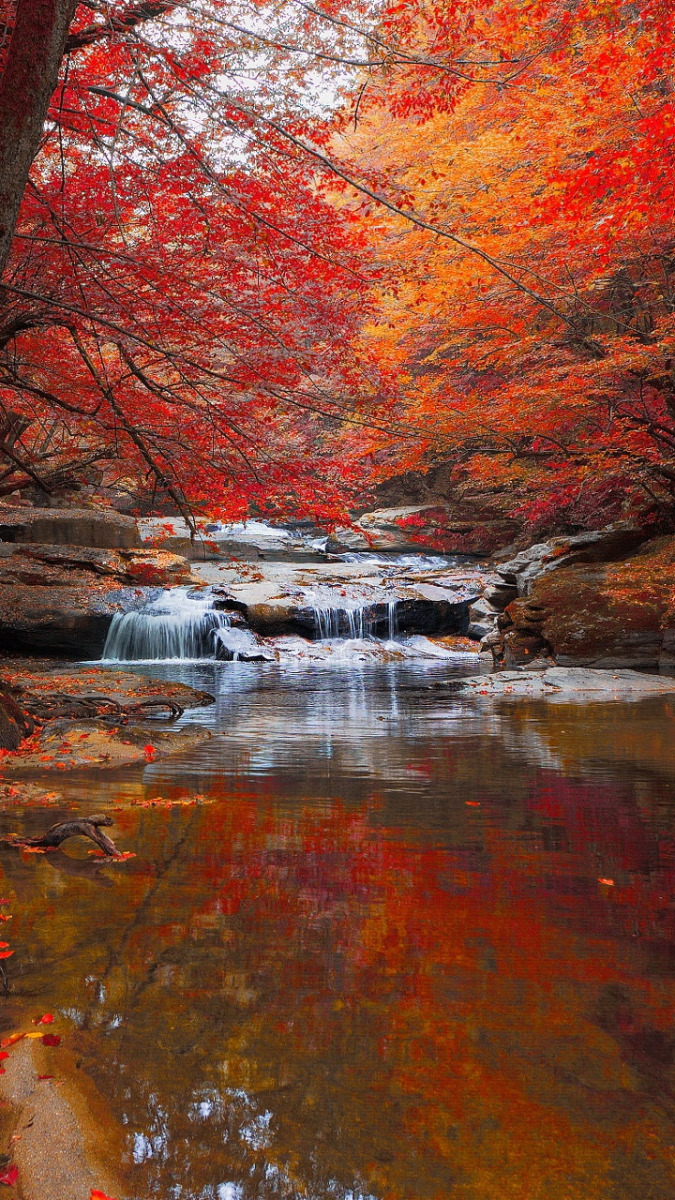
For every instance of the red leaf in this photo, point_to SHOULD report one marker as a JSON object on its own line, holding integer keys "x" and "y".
{"x": 51, "y": 1039}
{"x": 10, "y": 1176}
{"x": 45, "y": 1020}
{"x": 149, "y": 752}
{"x": 96, "y": 1195}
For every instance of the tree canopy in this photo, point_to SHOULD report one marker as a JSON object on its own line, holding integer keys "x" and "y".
{"x": 266, "y": 255}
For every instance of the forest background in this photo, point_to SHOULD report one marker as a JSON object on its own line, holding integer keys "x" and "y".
{"x": 261, "y": 257}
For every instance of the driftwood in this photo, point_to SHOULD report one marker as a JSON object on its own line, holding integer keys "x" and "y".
{"x": 85, "y": 827}
{"x": 58, "y": 705}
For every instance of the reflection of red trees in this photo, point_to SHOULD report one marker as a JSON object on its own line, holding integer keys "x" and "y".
{"x": 466, "y": 1015}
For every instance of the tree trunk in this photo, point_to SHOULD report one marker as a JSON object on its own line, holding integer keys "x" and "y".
{"x": 30, "y": 76}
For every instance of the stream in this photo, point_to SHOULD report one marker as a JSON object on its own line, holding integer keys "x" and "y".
{"x": 378, "y": 960}
{"x": 378, "y": 941}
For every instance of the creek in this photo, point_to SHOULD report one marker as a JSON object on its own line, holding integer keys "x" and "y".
{"x": 378, "y": 941}
{"x": 405, "y": 945}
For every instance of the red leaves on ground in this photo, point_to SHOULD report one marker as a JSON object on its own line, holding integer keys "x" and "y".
{"x": 10, "y": 1176}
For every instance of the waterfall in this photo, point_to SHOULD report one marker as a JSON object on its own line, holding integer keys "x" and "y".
{"x": 358, "y": 622}
{"x": 176, "y": 624}
{"x": 392, "y": 621}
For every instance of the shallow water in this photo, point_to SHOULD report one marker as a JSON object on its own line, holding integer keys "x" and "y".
{"x": 413, "y": 948}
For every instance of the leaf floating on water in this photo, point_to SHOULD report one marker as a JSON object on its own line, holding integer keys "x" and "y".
{"x": 10, "y": 1176}
{"x": 149, "y": 752}
{"x": 13, "y": 1037}
{"x": 607, "y": 882}
{"x": 51, "y": 1039}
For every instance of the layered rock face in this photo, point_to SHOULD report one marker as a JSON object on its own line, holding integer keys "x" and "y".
{"x": 69, "y": 527}
{"x": 62, "y": 597}
{"x": 600, "y": 599}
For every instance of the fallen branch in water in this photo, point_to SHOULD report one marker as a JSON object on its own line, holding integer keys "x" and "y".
{"x": 85, "y": 827}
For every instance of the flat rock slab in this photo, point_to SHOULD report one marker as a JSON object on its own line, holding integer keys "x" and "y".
{"x": 43, "y": 678}
{"x": 72, "y": 745}
{"x": 581, "y": 684}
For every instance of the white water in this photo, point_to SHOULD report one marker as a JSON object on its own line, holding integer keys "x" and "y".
{"x": 176, "y": 625}
{"x": 357, "y": 621}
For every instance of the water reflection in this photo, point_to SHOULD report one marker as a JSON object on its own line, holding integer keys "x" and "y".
{"x": 383, "y": 963}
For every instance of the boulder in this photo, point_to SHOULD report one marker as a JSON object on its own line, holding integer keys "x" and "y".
{"x": 61, "y": 599}
{"x": 610, "y": 615}
{"x": 447, "y": 528}
{"x": 592, "y": 546}
{"x": 69, "y": 527}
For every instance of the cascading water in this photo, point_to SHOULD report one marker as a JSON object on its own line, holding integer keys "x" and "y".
{"x": 358, "y": 622}
{"x": 176, "y": 625}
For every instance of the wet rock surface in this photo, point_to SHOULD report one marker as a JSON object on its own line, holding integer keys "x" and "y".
{"x": 352, "y": 599}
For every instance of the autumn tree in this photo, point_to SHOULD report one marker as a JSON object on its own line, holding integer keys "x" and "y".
{"x": 515, "y": 171}
{"x": 181, "y": 301}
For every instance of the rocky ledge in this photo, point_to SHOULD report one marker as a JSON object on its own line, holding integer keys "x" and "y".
{"x": 62, "y": 599}
{"x": 37, "y": 686}
{"x": 565, "y": 684}
{"x": 66, "y": 745}
{"x": 605, "y": 598}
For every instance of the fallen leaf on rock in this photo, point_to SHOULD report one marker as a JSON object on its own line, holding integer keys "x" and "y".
{"x": 45, "y": 1076}
{"x": 46, "y": 1019}
{"x": 96, "y": 1195}
{"x": 6, "y": 953}
{"x": 10, "y": 1176}
{"x": 51, "y": 1039}
{"x": 149, "y": 752}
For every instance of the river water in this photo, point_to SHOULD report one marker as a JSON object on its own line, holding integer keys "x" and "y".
{"x": 405, "y": 946}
